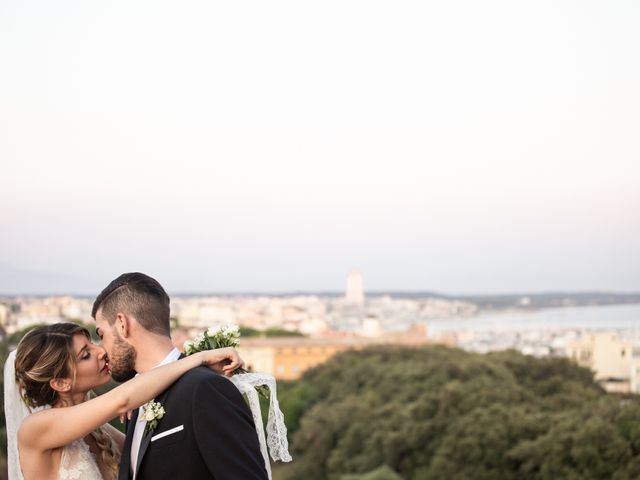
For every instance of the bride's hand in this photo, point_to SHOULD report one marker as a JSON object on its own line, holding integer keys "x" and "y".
{"x": 223, "y": 360}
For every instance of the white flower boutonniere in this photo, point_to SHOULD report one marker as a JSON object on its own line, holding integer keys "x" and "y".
{"x": 152, "y": 412}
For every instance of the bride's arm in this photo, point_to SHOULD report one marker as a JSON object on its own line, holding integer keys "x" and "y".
{"x": 56, "y": 427}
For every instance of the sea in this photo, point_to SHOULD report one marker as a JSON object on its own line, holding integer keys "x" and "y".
{"x": 599, "y": 317}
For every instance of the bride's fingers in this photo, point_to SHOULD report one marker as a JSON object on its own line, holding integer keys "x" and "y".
{"x": 235, "y": 364}
{"x": 128, "y": 416}
{"x": 226, "y": 371}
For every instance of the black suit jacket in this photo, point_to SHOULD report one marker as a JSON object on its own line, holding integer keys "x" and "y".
{"x": 208, "y": 434}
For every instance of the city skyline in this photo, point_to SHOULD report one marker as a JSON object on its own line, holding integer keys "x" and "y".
{"x": 16, "y": 283}
{"x": 452, "y": 147}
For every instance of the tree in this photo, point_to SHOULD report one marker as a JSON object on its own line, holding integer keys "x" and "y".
{"x": 436, "y": 413}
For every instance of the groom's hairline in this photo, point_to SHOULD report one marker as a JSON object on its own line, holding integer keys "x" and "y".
{"x": 99, "y": 306}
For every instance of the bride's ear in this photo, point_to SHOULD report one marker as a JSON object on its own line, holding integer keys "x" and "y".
{"x": 60, "y": 385}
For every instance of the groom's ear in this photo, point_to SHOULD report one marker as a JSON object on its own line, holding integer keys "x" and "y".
{"x": 60, "y": 384}
{"x": 123, "y": 325}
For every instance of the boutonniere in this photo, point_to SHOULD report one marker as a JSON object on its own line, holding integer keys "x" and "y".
{"x": 152, "y": 412}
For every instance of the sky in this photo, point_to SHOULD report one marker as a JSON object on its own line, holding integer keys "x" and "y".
{"x": 458, "y": 147}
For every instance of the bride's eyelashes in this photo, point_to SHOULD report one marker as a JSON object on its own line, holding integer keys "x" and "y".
{"x": 86, "y": 352}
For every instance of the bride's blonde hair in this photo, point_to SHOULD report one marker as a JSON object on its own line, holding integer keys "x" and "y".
{"x": 46, "y": 353}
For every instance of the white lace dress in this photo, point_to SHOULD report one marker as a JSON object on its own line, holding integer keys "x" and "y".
{"x": 78, "y": 463}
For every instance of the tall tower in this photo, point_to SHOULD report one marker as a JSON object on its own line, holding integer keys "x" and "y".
{"x": 355, "y": 290}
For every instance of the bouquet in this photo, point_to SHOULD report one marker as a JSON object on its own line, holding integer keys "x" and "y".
{"x": 214, "y": 337}
{"x": 219, "y": 337}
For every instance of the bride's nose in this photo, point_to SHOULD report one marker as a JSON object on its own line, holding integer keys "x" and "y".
{"x": 101, "y": 352}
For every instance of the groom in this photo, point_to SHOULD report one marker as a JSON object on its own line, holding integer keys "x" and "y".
{"x": 207, "y": 431}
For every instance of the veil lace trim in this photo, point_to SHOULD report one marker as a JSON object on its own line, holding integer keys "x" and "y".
{"x": 276, "y": 437}
{"x": 15, "y": 412}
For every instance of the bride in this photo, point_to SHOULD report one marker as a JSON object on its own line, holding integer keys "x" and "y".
{"x": 57, "y": 366}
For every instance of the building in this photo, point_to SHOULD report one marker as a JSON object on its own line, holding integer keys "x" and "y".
{"x": 615, "y": 363}
{"x": 354, "y": 294}
{"x": 286, "y": 358}
{"x": 371, "y": 327}
{"x": 4, "y": 314}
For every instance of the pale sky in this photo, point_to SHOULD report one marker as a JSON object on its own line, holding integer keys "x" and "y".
{"x": 460, "y": 147}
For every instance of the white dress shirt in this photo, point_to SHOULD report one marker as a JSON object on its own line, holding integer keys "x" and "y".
{"x": 141, "y": 423}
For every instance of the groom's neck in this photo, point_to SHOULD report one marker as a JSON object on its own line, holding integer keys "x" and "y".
{"x": 152, "y": 351}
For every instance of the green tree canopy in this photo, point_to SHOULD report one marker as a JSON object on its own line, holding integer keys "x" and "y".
{"x": 437, "y": 413}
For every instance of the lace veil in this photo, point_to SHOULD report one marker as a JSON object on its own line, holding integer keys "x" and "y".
{"x": 276, "y": 437}
{"x": 15, "y": 412}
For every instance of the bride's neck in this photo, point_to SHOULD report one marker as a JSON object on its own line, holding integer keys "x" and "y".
{"x": 69, "y": 400}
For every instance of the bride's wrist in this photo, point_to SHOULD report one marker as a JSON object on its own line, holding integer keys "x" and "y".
{"x": 203, "y": 360}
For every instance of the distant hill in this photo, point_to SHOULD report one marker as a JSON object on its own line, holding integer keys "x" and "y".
{"x": 15, "y": 281}
{"x": 500, "y": 301}
{"x": 552, "y": 299}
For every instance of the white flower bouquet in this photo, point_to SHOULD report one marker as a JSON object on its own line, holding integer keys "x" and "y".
{"x": 214, "y": 337}
{"x": 219, "y": 337}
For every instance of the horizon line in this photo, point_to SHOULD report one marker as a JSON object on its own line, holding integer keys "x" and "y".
{"x": 339, "y": 293}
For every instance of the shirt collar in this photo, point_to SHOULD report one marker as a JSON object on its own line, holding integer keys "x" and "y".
{"x": 171, "y": 357}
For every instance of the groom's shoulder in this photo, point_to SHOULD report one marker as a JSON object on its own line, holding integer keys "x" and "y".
{"x": 202, "y": 384}
{"x": 199, "y": 376}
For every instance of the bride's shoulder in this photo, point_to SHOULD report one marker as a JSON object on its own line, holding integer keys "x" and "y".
{"x": 34, "y": 424}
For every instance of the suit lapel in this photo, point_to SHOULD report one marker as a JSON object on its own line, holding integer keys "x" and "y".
{"x": 144, "y": 444}
{"x": 146, "y": 438}
{"x": 125, "y": 460}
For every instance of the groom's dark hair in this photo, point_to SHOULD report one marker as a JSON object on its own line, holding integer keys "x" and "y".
{"x": 138, "y": 295}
